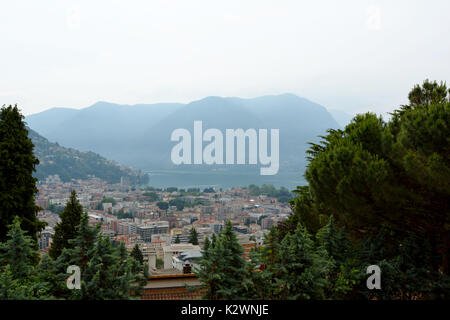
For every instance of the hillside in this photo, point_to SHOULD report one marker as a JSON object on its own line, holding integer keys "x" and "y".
{"x": 73, "y": 164}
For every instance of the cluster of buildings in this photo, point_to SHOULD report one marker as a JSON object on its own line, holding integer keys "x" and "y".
{"x": 132, "y": 216}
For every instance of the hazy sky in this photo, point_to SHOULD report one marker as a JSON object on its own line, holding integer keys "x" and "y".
{"x": 349, "y": 55}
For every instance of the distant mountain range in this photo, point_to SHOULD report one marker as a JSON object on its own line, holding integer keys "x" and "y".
{"x": 70, "y": 164}
{"x": 139, "y": 135}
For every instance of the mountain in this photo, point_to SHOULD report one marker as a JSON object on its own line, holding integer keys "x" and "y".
{"x": 299, "y": 120}
{"x": 73, "y": 164}
{"x": 105, "y": 128}
{"x": 139, "y": 135}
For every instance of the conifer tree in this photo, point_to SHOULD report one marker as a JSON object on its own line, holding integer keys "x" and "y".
{"x": 208, "y": 271}
{"x": 65, "y": 230}
{"x": 136, "y": 253}
{"x": 138, "y": 269}
{"x": 269, "y": 259}
{"x": 17, "y": 184}
{"x": 18, "y": 252}
{"x": 206, "y": 247}
{"x": 177, "y": 239}
{"x": 223, "y": 268}
{"x": 345, "y": 274}
{"x": 83, "y": 244}
{"x": 193, "y": 236}
{"x": 107, "y": 276}
{"x": 10, "y": 288}
{"x": 334, "y": 241}
{"x": 304, "y": 268}
{"x": 18, "y": 256}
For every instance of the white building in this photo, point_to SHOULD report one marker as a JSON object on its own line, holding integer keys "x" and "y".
{"x": 175, "y": 250}
{"x": 189, "y": 258}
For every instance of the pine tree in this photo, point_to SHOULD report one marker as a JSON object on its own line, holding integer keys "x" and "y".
{"x": 268, "y": 258}
{"x": 177, "y": 239}
{"x": 83, "y": 244}
{"x": 107, "y": 275}
{"x": 18, "y": 256}
{"x": 136, "y": 253}
{"x": 138, "y": 269}
{"x": 18, "y": 252}
{"x": 334, "y": 241}
{"x": 17, "y": 184}
{"x": 345, "y": 274}
{"x": 65, "y": 230}
{"x": 206, "y": 247}
{"x": 193, "y": 236}
{"x": 303, "y": 268}
{"x": 10, "y": 288}
{"x": 208, "y": 271}
{"x": 223, "y": 268}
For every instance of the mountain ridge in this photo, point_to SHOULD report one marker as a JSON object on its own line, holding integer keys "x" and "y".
{"x": 139, "y": 135}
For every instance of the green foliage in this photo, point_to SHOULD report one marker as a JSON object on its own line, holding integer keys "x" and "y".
{"x": 223, "y": 269}
{"x": 193, "y": 236}
{"x": 393, "y": 175}
{"x": 136, "y": 253}
{"x": 159, "y": 263}
{"x": 162, "y": 205}
{"x": 73, "y": 164}
{"x": 17, "y": 184}
{"x": 109, "y": 200}
{"x": 152, "y": 196}
{"x": 388, "y": 185}
{"x": 65, "y": 230}
{"x": 121, "y": 214}
{"x": 106, "y": 272}
{"x": 18, "y": 256}
{"x": 18, "y": 251}
{"x": 303, "y": 268}
{"x": 283, "y": 195}
{"x": 179, "y": 203}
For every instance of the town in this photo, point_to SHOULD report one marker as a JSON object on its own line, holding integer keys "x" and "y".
{"x": 160, "y": 220}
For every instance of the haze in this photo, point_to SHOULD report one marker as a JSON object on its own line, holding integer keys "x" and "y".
{"x": 348, "y": 55}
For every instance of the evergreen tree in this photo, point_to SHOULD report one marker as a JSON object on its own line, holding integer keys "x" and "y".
{"x": 18, "y": 252}
{"x": 303, "y": 268}
{"x": 136, "y": 253}
{"x": 107, "y": 275}
{"x": 208, "y": 270}
{"x": 334, "y": 241}
{"x": 17, "y": 184}
{"x": 18, "y": 257}
{"x": 193, "y": 236}
{"x": 177, "y": 239}
{"x": 345, "y": 274}
{"x": 10, "y": 288}
{"x": 223, "y": 268}
{"x": 83, "y": 244}
{"x": 65, "y": 230}
{"x": 270, "y": 263}
{"x": 393, "y": 175}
